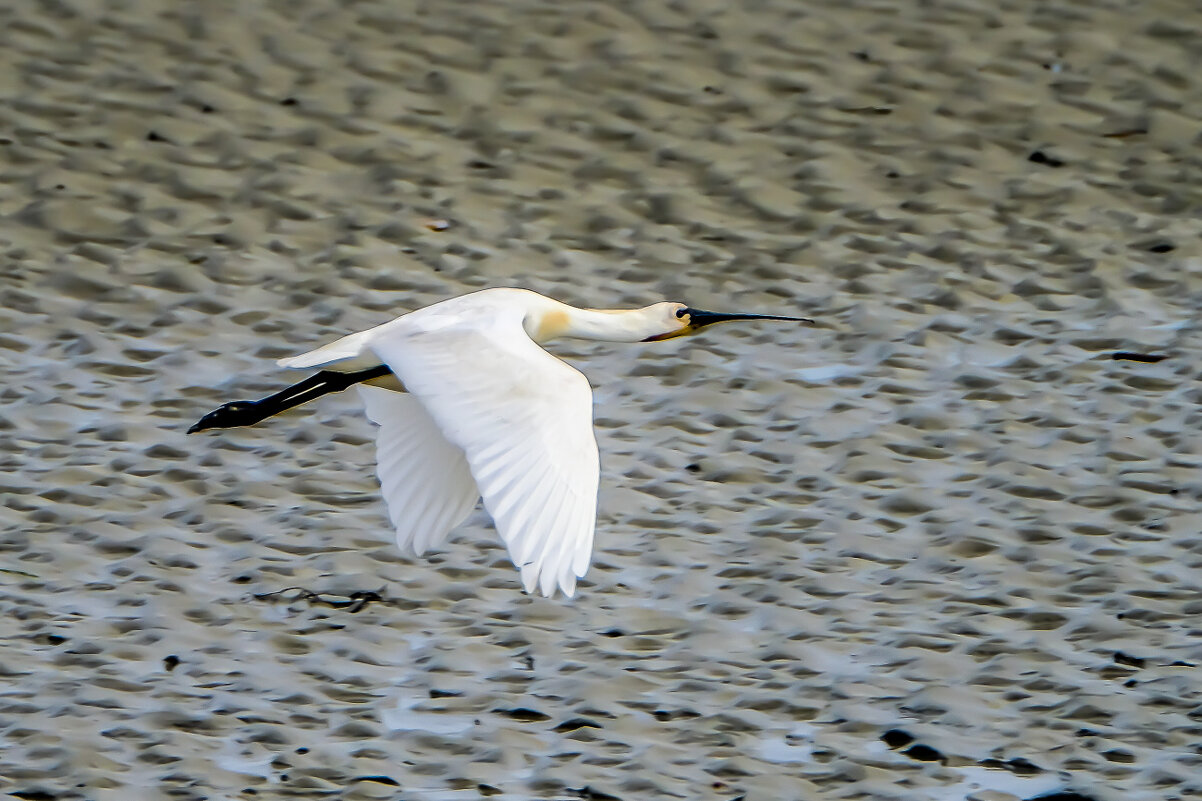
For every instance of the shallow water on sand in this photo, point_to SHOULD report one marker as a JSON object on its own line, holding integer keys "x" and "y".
{"x": 940, "y": 546}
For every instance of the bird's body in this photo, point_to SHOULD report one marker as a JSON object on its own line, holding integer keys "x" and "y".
{"x": 470, "y": 406}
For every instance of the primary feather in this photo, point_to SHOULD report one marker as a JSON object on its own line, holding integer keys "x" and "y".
{"x": 426, "y": 482}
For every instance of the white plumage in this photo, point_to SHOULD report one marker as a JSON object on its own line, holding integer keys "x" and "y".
{"x": 489, "y": 414}
{"x": 426, "y": 482}
{"x": 518, "y": 419}
{"x": 470, "y": 406}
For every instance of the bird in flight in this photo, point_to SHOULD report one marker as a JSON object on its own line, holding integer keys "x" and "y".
{"x": 470, "y": 406}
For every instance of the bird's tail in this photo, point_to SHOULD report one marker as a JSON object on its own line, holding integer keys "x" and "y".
{"x": 345, "y": 352}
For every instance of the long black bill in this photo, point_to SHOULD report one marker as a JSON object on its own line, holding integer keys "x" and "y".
{"x": 700, "y": 319}
{"x": 247, "y": 413}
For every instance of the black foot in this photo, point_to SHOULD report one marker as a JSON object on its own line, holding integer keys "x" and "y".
{"x": 231, "y": 415}
{"x": 247, "y": 413}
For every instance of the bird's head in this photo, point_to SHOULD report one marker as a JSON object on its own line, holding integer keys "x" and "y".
{"x": 680, "y": 320}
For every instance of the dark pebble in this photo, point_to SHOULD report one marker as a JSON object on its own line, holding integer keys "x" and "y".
{"x": 924, "y": 753}
{"x": 1129, "y": 356}
{"x": 1017, "y": 766}
{"x": 577, "y": 723}
{"x": 1121, "y": 658}
{"x": 524, "y": 714}
{"x": 590, "y": 794}
{"x": 1039, "y": 157}
{"x": 896, "y": 738}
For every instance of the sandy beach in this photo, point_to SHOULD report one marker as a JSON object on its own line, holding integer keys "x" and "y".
{"x": 940, "y": 546}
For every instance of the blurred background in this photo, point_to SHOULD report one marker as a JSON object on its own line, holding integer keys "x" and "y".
{"x": 941, "y": 546}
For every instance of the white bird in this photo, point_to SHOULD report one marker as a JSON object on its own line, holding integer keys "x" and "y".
{"x": 469, "y": 405}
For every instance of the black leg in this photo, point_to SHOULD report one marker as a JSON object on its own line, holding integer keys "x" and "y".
{"x": 247, "y": 413}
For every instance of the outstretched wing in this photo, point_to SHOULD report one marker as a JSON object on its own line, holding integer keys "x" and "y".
{"x": 524, "y": 420}
{"x": 425, "y": 479}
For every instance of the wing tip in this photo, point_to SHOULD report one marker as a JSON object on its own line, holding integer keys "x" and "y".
{"x": 568, "y": 585}
{"x": 546, "y": 583}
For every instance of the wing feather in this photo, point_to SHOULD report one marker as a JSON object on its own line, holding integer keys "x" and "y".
{"x": 557, "y": 565}
{"x": 523, "y": 420}
{"x": 425, "y": 480}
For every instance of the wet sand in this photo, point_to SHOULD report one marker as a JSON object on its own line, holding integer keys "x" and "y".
{"x": 941, "y": 546}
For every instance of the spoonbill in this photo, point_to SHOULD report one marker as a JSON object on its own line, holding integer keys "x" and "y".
{"x": 469, "y": 405}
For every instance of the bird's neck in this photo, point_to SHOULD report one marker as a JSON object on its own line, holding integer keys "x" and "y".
{"x": 631, "y": 325}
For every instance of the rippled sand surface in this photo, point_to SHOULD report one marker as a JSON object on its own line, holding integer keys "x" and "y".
{"x": 941, "y": 546}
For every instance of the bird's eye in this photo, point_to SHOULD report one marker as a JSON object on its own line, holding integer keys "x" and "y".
{"x": 680, "y": 313}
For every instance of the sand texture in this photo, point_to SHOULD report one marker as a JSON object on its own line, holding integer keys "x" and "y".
{"x": 940, "y": 546}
